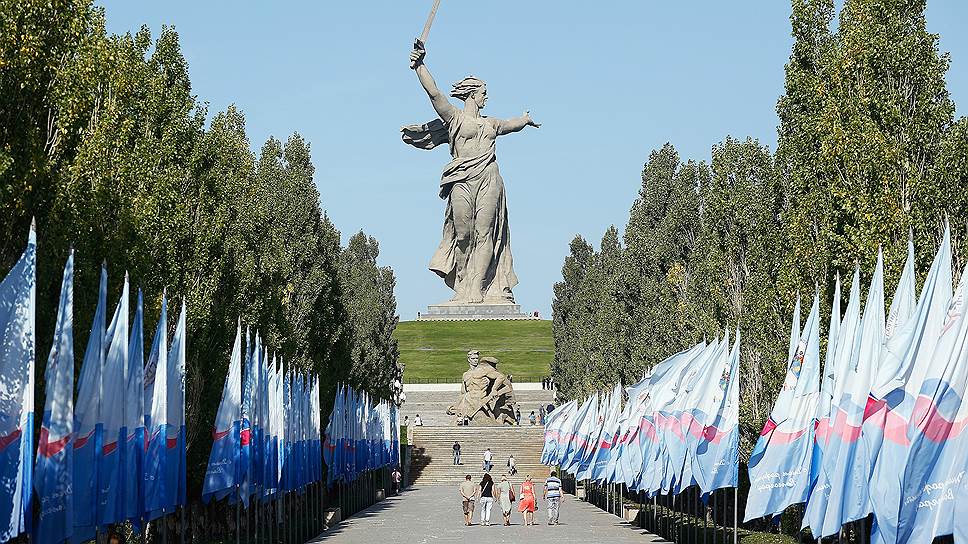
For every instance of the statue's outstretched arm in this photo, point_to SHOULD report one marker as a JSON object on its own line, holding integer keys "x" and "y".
{"x": 444, "y": 108}
{"x": 507, "y": 126}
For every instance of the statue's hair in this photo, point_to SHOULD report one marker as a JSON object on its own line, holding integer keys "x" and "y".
{"x": 466, "y": 87}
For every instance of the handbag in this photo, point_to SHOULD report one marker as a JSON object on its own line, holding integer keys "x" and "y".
{"x": 511, "y": 492}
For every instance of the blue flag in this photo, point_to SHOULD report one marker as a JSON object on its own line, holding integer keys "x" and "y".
{"x": 18, "y": 294}
{"x": 113, "y": 384}
{"x": 175, "y": 469}
{"x": 222, "y": 472}
{"x": 245, "y": 434}
{"x": 132, "y": 455}
{"x": 156, "y": 416}
{"x": 55, "y": 460}
{"x": 87, "y": 422}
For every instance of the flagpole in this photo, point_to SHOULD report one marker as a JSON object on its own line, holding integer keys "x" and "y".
{"x": 735, "y": 515}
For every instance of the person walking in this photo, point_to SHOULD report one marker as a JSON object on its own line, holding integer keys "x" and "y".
{"x": 512, "y": 466}
{"x": 417, "y": 421}
{"x": 487, "y": 460}
{"x": 517, "y": 416}
{"x": 552, "y": 494}
{"x": 541, "y": 414}
{"x": 505, "y": 492}
{"x": 468, "y": 492}
{"x": 395, "y": 479}
{"x": 528, "y": 504}
{"x": 456, "y": 452}
{"x": 532, "y": 418}
{"x": 487, "y": 498}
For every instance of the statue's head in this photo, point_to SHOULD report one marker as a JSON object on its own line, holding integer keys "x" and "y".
{"x": 473, "y": 358}
{"x": 471, "y": 88}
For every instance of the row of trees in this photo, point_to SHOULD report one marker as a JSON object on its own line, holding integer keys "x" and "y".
{"x": 869, "y": 152}
{"x": 102, "y": 140}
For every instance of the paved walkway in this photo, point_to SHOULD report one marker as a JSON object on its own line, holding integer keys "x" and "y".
{"x": 434, "y": 515}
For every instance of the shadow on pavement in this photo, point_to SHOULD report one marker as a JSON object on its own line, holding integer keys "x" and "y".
{"x": 372, "y": 511}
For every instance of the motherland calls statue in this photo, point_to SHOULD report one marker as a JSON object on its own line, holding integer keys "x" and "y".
{"x": 484, "y": 390}
{"x": 474, "y": 257}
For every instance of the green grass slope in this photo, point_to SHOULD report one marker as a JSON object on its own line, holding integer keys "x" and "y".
{"x": 437, "y": 350}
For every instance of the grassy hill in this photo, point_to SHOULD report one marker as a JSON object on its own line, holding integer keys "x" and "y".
{"x": 437, "y": 350}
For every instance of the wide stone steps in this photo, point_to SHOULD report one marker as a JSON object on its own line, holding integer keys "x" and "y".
{"x": 432, "y": 461}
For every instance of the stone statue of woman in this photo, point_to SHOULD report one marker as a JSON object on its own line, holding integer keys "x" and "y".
{"x": 474, "y": 257}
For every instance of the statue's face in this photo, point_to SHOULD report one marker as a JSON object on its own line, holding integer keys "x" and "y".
{"x": 480, "y": 97}
{"x": 473, "y": 359}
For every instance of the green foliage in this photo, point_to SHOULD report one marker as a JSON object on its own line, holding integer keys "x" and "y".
{"x": 102, "y": 140}
{"x": 437, "y": 350}
{"x": 368, "y": 290}
{"x": 868, "y": 152}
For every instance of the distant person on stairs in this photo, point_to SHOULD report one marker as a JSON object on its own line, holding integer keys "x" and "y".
{"x": 487, "y": 498}
{"x": 532, "y": 418}
{"x": 517, "y": 416}
{"x": 468, "y": 491}
{"x": 488, "y": 456}
{"x": 417, "y": 421}
{"x": 512, "y": 466}
{"x": 505, "y": 492}
{"x": 456, "y": 452}
{"x": 552, "y": 494}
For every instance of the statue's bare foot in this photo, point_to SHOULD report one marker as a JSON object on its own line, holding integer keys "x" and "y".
{"x": 475, "y": 299}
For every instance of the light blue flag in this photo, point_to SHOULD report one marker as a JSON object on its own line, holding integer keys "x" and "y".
{"x": 698, "y": 410}
{"x": 18, "y": 340}
{"x": 817, "y": 514}
{"x": 896, "y": 387}
{"x": 132, "y": 455}
{"x": 846, "y": 461}
{"x": 932, "y": 481}
{"x": 113, "y": 384}
{"x": 87, "y": 422}
{"x": 606, "y": 439}
{"x": 574, "y": 439}
{"x": 779, "y": 466}
{"x": 156, "y": 416}
{"x": 717, "y": 453}
{"x": 55, "y": 452}
{"x": 222, "y": 471}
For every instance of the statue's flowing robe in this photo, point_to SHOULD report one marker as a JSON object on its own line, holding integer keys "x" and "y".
{"x": 476, "y": 204}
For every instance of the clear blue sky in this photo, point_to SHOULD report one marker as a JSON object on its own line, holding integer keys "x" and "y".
{"x": 610, "y": 81}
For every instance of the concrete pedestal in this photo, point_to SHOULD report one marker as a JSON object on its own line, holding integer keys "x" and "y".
{"x": 472, "y": 312}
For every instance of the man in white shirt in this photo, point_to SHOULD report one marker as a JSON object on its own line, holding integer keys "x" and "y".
{"x": 417, "y": 421}
{"x": 487, "y": 460}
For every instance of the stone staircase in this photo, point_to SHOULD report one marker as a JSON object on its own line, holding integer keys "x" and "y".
{"x": 432, "y": 460}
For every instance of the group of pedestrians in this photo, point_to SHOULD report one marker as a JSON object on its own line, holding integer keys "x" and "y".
{"x": 486, "y": 492}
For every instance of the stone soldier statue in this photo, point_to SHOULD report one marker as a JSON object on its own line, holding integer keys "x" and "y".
{"x": 475, "y": 385}
{"x": 474, "y": 257}
{"x": 484, "y": 389}
{"x": 500, "y": 403}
